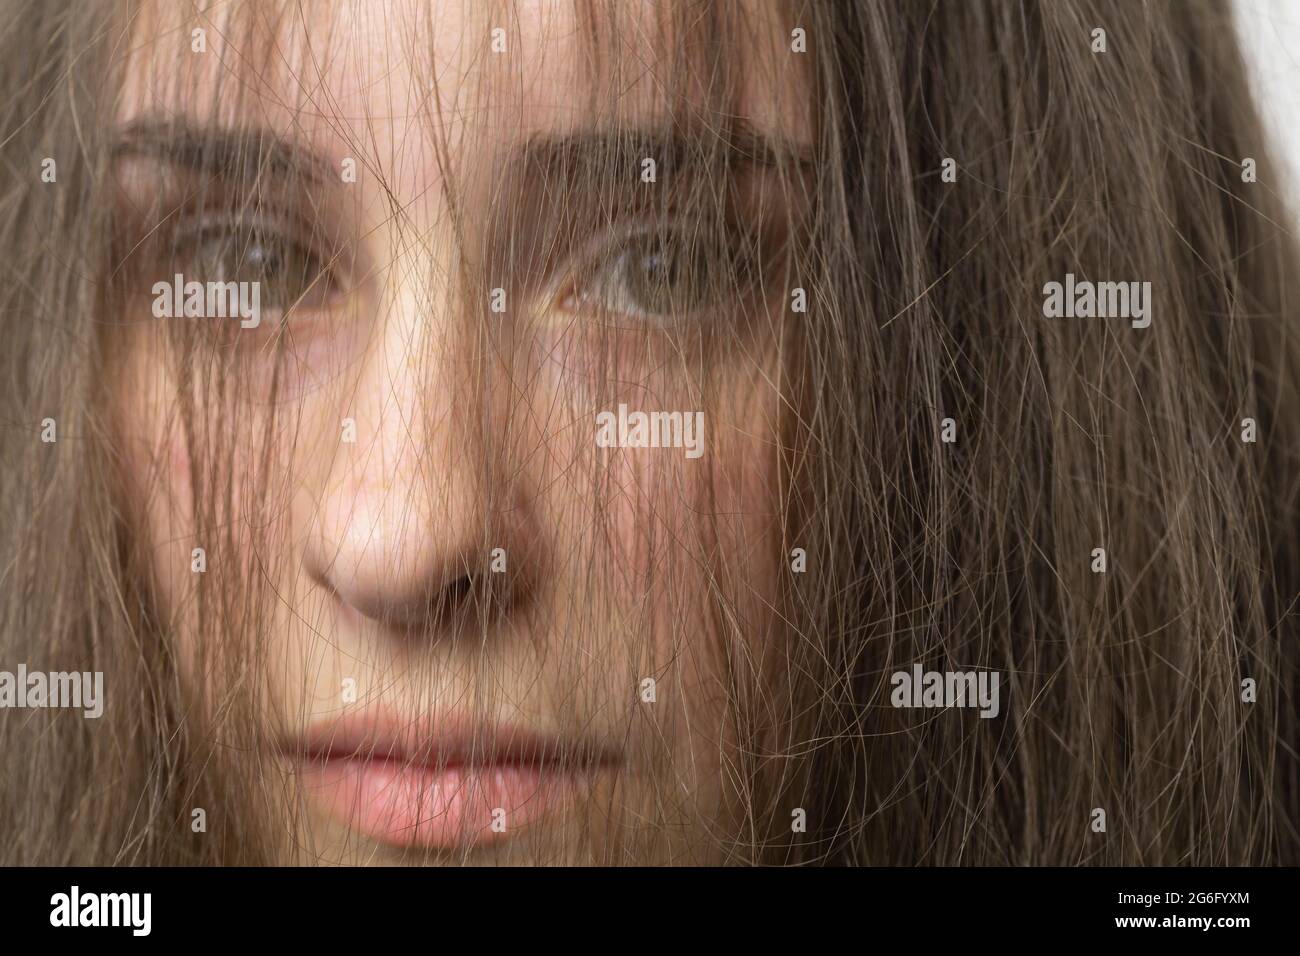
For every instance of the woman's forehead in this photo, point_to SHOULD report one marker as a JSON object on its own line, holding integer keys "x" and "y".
{"x": 421, "y": 85}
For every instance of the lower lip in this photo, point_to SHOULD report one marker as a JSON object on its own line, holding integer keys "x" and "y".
{"x": 413, "y": 805}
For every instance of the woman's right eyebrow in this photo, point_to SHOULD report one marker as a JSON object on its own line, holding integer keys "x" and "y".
{"x": 238, "y": 154}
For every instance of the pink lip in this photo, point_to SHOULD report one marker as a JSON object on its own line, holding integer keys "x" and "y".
{"x": 439, "y": 783}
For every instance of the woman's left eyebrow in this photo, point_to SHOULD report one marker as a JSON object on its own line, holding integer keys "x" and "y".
{"x": 238, "y": 154}
{"x": 683, "y": 151}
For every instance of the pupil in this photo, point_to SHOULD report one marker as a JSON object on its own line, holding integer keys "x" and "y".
{"x": 658, "y": 265}
{"x": 262, "y": 259}
{"x": 662, "y": 279}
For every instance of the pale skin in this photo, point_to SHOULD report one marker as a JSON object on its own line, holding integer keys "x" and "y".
{"x": 467, "y": 439}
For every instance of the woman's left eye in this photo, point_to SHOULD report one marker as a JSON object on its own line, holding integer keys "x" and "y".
{"x": 658, "y": 274}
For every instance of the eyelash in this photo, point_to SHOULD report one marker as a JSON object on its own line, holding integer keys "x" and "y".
{"x": 318, "y": 281}
{"x": 728, "y": 261}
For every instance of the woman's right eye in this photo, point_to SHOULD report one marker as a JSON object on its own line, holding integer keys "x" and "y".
{"x": 288, "y": 271}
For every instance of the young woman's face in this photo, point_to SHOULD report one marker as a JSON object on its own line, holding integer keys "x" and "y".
{"x": 479, "y": 634}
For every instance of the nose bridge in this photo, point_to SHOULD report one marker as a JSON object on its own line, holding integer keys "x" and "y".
{"x": 403, "y": 514}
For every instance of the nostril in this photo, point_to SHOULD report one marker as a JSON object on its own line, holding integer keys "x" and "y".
{"x": 459, "y": 592}
{"x": 441, "y": 608}
{"x": 469, "y": 594}
{"x": 430, "y": 609}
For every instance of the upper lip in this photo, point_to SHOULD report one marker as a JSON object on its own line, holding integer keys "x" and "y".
{"x": 441, "y": 741}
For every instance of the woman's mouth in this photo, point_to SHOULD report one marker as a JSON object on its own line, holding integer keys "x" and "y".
{"x": 440, "y": 783}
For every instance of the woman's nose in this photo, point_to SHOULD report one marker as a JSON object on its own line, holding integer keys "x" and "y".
{"x": 404, "y": 532}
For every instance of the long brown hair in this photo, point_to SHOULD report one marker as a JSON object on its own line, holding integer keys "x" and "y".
{"x": 950, "y": 458}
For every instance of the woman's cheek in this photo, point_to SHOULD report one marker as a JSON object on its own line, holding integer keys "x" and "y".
{"x": 156, "y": 479}
{"x": 167, "y": 508}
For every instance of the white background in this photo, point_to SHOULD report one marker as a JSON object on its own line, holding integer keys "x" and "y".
{"x": 1270, "y": 34}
